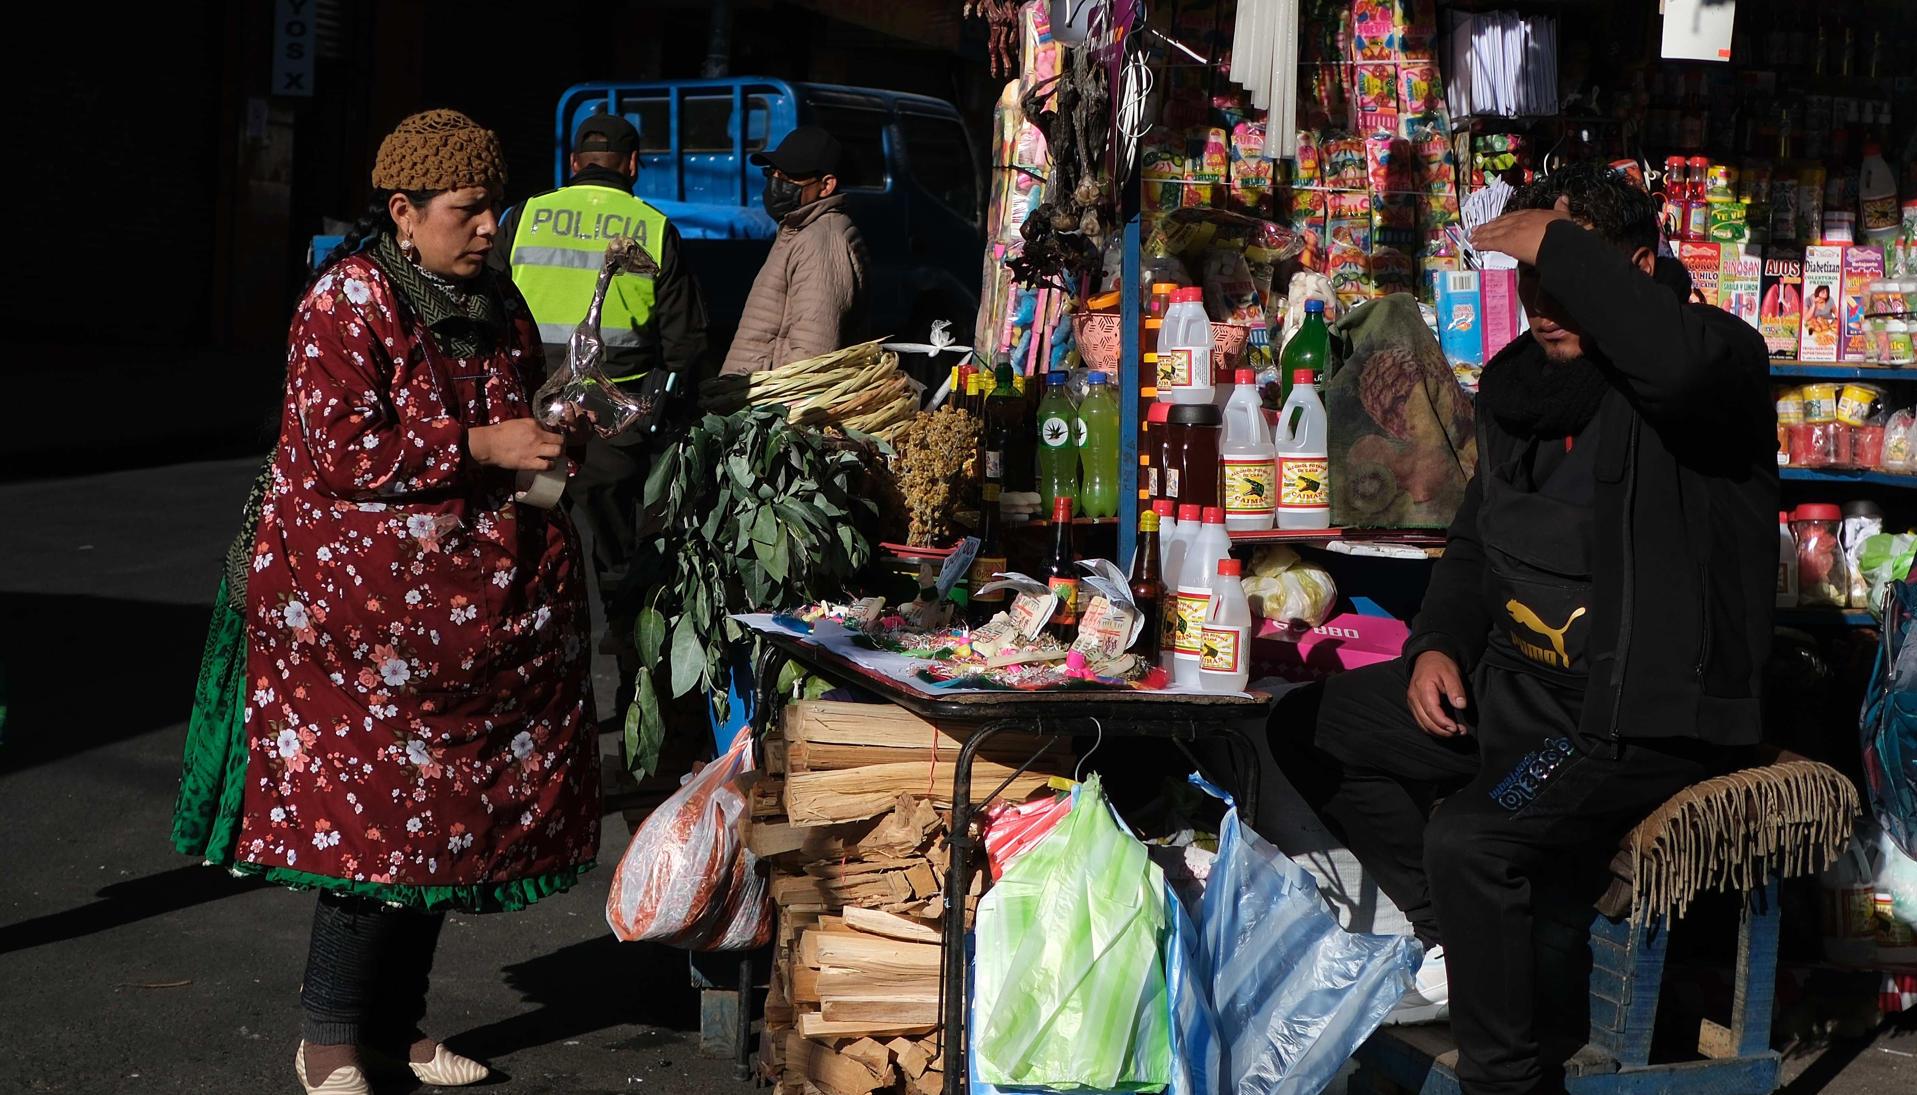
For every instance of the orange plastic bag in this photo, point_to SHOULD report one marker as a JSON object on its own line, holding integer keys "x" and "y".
{"x": 687, "y": 878}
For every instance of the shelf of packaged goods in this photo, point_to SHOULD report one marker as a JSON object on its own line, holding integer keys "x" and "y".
{"x": 1875, "y": 478}
{"x": 1397, "y": 545}
{"x": 1824, "y": 617}
{"x": 1047, "y": 524}
{"x": 1805, "y": 371}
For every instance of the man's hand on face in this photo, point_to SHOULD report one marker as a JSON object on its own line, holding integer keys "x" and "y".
{"x": 1520, "y": 234}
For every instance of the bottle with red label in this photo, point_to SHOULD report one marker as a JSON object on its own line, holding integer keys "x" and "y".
{"x": 1304, "y": 468}
{"x": 1224, "y": 644}
{"x": 1061, "y": 572}
{"x": 1248, "y": 460}
{"x": 1195, "y": 579}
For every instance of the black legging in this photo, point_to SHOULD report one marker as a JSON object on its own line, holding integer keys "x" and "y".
{"x": 366, "y": 972}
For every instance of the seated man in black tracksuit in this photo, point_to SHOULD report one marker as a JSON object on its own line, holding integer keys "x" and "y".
{"x": 1592, "y": 640}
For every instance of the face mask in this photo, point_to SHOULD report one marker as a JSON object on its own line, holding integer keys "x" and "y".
{"x": 782, "y": 196}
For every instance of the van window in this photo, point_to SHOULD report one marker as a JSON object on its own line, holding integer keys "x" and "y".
{"x": 705, "y": 126}
{"x": 862, "y": 134}
{"x": 653, "y": 118}
{"x": 942, "y": 162}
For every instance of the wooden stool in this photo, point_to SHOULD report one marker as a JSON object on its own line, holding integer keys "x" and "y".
{"x": 1742, "y": 832}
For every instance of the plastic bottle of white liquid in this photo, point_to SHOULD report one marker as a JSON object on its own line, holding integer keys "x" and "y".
{"x": 1224, "y": 658}
{"x": 1195, "y": 578}
{"x": 1190, "y": 524}
{"x": 1304, "y": 474}
{"x": 1250, "y": 460}
{"x": 1184, "y": 350}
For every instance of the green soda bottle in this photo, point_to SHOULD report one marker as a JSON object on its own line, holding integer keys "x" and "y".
{"x": 1057, "y": 443}
{"x": 1308, "y": 348}
{"x": 1098, "y": 449}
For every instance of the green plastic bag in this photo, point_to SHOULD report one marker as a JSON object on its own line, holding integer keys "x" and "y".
{"x": 1885, "y": 558}
{"x": 1070, "y": 980}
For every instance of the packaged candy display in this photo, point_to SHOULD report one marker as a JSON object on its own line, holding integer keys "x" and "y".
{"x": 1842, "y": 426}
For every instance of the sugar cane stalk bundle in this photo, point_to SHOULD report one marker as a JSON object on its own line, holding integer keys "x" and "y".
{"x": 859, "y": 388}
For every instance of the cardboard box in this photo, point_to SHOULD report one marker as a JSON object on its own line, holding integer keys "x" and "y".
{"x": 1346, "y": 641}
{"x": 1862, "y": 265}
{"x": 1781, "y": 303}
{"x": 1701, "y": 259}
{"x": 1501, "y": 313}
{"x": 1460, "y": 311}
{"x": 1823, "y": 317}
{"x": 1740, "y": 281}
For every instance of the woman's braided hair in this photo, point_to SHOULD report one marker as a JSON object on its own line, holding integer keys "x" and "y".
{"x": 375, "y": 220}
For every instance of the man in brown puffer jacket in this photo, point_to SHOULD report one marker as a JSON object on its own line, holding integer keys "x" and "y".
{"x": 809, "y": 297}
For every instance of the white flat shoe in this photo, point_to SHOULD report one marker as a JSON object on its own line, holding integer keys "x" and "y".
{"x": 449, "y": 1069}
{"x": 349, "y": 1080}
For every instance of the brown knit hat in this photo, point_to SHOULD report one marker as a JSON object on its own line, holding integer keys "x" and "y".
{"x": 439, "y": 150}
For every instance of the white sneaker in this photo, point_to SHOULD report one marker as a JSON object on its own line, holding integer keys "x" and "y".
{"x": 1429, "y": 1000}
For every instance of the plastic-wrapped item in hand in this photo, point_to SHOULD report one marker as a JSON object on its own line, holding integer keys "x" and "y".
{"x": 579, "y": 391}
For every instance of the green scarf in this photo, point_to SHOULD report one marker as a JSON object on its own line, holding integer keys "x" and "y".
{"x": 465, "y": 321}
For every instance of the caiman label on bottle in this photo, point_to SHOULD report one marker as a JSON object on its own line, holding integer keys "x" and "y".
{"x": 1251, "y": 486}
{"x": 1192, "y": 604}
{"x": 1221, "y": 648}
{"x": 1301, "y": 483}
{"x": 1175, "y": 368}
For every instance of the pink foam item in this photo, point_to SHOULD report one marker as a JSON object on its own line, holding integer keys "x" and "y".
{"x": 1344, "y": 642}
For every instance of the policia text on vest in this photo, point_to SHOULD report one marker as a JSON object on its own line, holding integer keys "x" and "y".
{"x": 557, "y": 248}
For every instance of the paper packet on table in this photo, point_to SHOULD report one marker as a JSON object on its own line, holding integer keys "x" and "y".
{"x": 1112, "y": 620}
{"x": 1032, "y": 607}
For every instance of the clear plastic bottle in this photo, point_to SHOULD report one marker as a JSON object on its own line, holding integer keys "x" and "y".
{"x": 1167, "y": 511}
{"x": 1877, "y": 189}
{"x": 1184, "y": 350}
{"x": 1195, "y": 577}
{"x": 1224, "y": 658}
{"x": 1190, "y": 524}
{"x": 1304, "y": 474}
{"x": 1057, "y": 450}
{"x": 1097, "y": 441}
{"x": 1248, "y": 460}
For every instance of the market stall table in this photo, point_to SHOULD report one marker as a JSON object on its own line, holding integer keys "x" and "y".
{"x": 1179, "y": 717}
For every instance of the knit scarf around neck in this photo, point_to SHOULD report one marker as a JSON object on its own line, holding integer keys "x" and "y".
{"x": 464, "y": 321}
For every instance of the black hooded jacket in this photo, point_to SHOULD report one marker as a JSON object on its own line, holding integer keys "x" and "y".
{"x": 1684, "y": 568}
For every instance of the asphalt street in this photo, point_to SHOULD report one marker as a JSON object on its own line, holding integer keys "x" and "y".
{"x": 126, "y": 967}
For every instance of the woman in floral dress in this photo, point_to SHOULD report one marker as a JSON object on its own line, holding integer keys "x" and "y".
{"x": 414, "y": 710}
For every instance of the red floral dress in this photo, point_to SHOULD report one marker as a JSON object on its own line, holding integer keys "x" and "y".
{"x": 417, "y": 711}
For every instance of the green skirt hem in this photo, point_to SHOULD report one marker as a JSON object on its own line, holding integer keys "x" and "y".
{"x": 481, "y": 897}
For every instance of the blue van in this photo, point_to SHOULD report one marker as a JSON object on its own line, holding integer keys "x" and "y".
{"x": 913, "y": 183}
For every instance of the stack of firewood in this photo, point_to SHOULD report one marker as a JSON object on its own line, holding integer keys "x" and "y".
{"x": 851, "y": 814}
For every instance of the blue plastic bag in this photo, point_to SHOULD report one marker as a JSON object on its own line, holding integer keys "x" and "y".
{"x": 1889, "y": 724}
{"x": 1294, "y": 993}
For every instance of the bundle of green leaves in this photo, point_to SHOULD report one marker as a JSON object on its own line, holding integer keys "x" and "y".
{"x": 755, "y": 515}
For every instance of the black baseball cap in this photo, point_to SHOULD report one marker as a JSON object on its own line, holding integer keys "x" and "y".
{"x": 806, "y": 153}
{"x": 606, "y": 133}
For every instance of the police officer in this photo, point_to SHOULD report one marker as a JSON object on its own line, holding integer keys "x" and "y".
{"x": 555, "y": 243}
